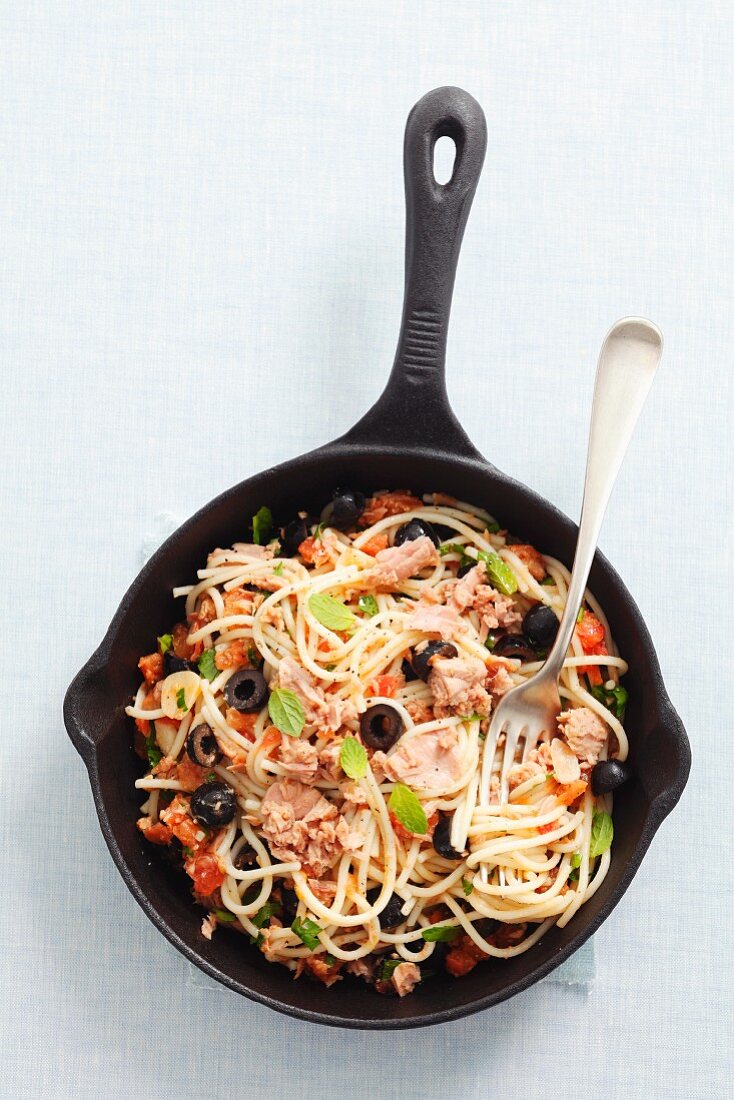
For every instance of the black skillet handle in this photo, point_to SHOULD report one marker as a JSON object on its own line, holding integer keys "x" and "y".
{"x": 414, "y": 410}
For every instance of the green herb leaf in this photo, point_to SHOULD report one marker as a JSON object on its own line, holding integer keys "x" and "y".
{"x": 471, "y": 717}
{"x": 188, "y": 852}
{"x": 368, "y": 605}
{"x": 573, "y": 876}
{"x": 498, "y": 572}
{"x": 211, "y": 777}
{"x": 253, "y": 656}
{"x": 262, "y": 525}
{"x": 602, "y": 833}
{"x": 207, "y": 665}
{"x": 467, "y": 886}
{"x": 286, "y": 712}
{"x": 491, "y": 642}
{"x": 224, "y": 915}
{"x": 154, "y": 754}
{"x": 452, "y": 548}
{"x": 318, "y": 532}
{"x": 329, "y": 959}
{"x": 616, "y": 699}
{"x": 257, "y": 940}
{"x": 576, "y": 859}
{"x": 353, "y": 758}
{"x": 181, "y": 699}
{"x": 307, "y": 931}
{"x": 493, "y": 527}
{"x": 548, "y": 581}
{"x": 279, "y": 569}
{"x": 580, "y": 615}
{"x": 165, "y": 642}
{"x": 265, "y": 912}
{"x": 441, "y": 933}
{"x": 330, "y": 612}
{"x": 388, "y": 969}
{"x": 408, "y": 810}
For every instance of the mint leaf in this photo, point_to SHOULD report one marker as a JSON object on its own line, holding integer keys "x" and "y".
{"x": 153, "y": 753}
{"x": 330, "y": 612}
{"x": 265, "y": 912}
{"x": 353, "y": 758}
{"x": 441, "y": 933}
{"x": 181, "y": 699}
{"x": 467, "y": 886}
{"x": 576, "y": 859}
{"x": 548, "y": 581}
{"x": 224, "y": 916}
{"x": 262, "y": 525}
{"x": 602, "y": 832}
{"x": 498, "y": 572}
{"x": 165, "y": 642}
{"x": 451, "y": 548}
{"x": 368, "y": 605}
{"x": 207, "y": 665}
{"x": 279, "y": 569}
{"x": 493, "y": 528}
{"x": 286, "y": 712}
{"x": 307, "y": 931}
{"x": 407, "y": 809}
{"x": 388, "y": 969}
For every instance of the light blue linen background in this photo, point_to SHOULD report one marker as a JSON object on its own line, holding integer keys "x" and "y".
{"x": 201, "y": 241}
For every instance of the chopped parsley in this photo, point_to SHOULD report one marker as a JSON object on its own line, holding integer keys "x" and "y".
{"x": 181, "y": 699}
{"x": 224, "y": 916}
{"x": 165, "y": 642}
{"x": 388, "y": 969}
{"x": 279, "y": 569}
{"x": 441, "y": 933}
{"x": 153, "y": 753}
{"x": 467, "y": 886}
{"x": 615, "y": 700}
{"x": 307, "y": 931}
{"x": 268, "y": 910}
{"x": 368, "y": 605}
{"x": 262, "y": 525}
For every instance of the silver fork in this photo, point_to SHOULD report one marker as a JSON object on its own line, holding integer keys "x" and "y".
{"x": 627, "y": 363}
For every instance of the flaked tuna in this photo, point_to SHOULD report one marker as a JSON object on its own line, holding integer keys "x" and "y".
{"x": 318, "y": 708}
{"x": 584, "y": 731}
{"x": 299, "y": 759}
{"x": 457, "y": 684}
{"x": 299, "y": 823}
{"x": 397, "y": 563}
{"x": 427, "y": 761}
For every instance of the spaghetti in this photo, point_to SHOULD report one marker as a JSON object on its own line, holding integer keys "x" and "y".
{"x": 315, "y": 733}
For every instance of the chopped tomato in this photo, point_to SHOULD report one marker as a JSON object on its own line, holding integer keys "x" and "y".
{"x": 548, "y": 828}
{"x": 189, "y": 774}
{"x": 176, "y": 817}
{"x": 233, "y": 656}
{"x": 181, "y": 645}
{"x": 530, "y": 557}
{"x": 206, "y": 875}
{"x": 569, "y": 792}
{"x": 244, "y": 724}
{"x": 322, "y": 971}
{"x": 143, "y": 726}
{"x": 388, "y": 504}
{"x": 404, "y": 833}
{"x": 270, "y": 740}
{"x": 158, "y": 834}
{"x": 386, "y": 685}
{"x": 590, "y": 633}
{"x": 374, "y": 545}
{"x": 463, "y": 956}
{"x": 151, "y": 667}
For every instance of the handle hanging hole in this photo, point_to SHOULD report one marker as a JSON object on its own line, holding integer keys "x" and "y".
{"x": 444, "y": 157}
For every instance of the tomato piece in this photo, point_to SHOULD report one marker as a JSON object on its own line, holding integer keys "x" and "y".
{"x": 158, "y": 834}
{"x": 206, "y": 875}
{"x": 590, "y": 632}
{"x": 463, "y": 956}
{"x": 374, "y": 545}
{"x": 386, "y": 685}
{"x": 189, "y": 774}
{"x": 244, "y": 724}
{"x": 388, "y": 504}
{"x": 151, "y": 667}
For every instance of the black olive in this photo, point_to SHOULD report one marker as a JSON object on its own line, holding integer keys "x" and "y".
{"x": 213, "y": 804}
{"x": 487, "y": 926}
{"x": 390, "y": 915}
{"x": 246, "y": 690}
{"x": 202, "y": 746}
{"x": 446, "y": 534}
{"x": 343, "y": 510}
{"x": 381, "y": 726}
{"x": 540, "y": 625}
{"x": 244, "y": 858}
{"x": 289, "y": 901}
{"x": 423, "y": 660}
{"x": 172, "y": 663}
{"x": 416, "y": 529}
{"x": 607, "y": 775}
{"x": 292, "y": 535}
{"x": 407, "y": 670}
{"x": 514, "y": 645}
{"x": 442, "y": 839}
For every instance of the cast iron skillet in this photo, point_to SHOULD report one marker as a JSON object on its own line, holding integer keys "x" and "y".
{"x": 409, "y": 439}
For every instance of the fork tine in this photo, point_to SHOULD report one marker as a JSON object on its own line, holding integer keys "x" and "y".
{"x": 512, "y": 736}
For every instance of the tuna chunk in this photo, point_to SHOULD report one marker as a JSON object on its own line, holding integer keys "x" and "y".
{"x": 520, "y": 773}
{"x": 300, "y": 824}
{"x": 405, "y": 978}
{"x": 584, "y": 731}
{"x": 457, "y": 684}
{"x": 318, "y": 708}
{"x": 330, "y": 760}
{"x": 565, "y": 762}
{"x": 429, "y": 760}
{"x": 434, "y": 619}
{"x": 495, "y": 609}
{"x": 465, "y": 591}
{"x": 531, "y": 558}
{"x": 299, "y": 759}
{"x": 250, "y": 550}
{"x": 397, "y": 563}
{"x": 498, "y": 681}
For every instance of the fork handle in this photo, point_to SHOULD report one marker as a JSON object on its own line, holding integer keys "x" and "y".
{"x": 628, "y": 360}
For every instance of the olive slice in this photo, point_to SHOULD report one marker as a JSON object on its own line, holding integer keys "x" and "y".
{"x": 292, "y": 535}
{"x": 416, "y": 529}
{"x": 514, "y": 645}
{"x": 442, "y": 839}
{"x": 380, "y": 726}
{"x": 246, "y": 690}
{"x": 390, "y": 915}
{"x": 423, "y": 659}
{"x": 203, "y": 747}
{"x": 172, "y": 663}
{"x": 213, "y": 804}
{"x": 343, "y": 510}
